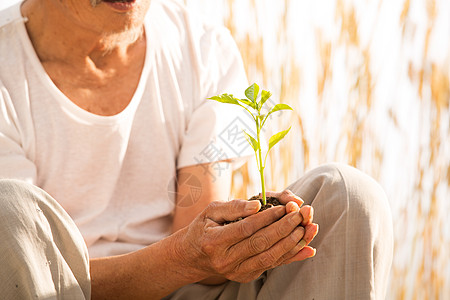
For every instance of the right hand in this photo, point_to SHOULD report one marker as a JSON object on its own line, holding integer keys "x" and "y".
{"x": 243, "y": 250}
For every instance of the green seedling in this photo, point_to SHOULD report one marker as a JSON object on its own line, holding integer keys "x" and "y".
{"x": 255, "y": 103}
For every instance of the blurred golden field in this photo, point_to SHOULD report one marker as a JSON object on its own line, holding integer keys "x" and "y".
{"x": 369, "y": 81}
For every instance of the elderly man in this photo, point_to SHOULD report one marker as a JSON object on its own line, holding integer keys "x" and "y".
{"x": 102, "y": 115}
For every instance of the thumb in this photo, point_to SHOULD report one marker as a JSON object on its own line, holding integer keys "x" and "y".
{"x": 221, "y": 212}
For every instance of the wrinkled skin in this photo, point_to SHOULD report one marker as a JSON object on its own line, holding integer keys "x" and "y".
{"x": 241, "y": 251}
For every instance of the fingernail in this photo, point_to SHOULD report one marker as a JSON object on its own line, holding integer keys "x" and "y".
{"x": 299, "y": 199}
{"x": 302, "y": 244}
{"x": 252, "y": 206}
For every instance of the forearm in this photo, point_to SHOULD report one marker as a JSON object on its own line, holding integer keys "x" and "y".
{"x": 216, "y": 187}
{"x": 150, "y": 273}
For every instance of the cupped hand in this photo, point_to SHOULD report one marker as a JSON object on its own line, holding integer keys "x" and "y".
{"x": 241, "y": 251}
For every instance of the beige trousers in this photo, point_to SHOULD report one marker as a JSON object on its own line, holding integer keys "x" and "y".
{"x": 42, "y": 253}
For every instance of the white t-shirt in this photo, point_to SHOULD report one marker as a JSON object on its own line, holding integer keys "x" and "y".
{"x": 114, "y": 174}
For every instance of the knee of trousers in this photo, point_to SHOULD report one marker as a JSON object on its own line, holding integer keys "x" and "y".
{"x": 339, "y": 192}
{"x": 29, "y": 212}
{"x": 23, "y": 205}
{"x": 21, "y": 217}
{"x": 43, "y": 245}
{"x": 16, "y": 197}
{"x": 355, "y": 240}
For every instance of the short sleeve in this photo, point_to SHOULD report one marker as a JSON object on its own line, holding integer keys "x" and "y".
{"x": 215, "y": 130}
{"x": 13, "y": 161}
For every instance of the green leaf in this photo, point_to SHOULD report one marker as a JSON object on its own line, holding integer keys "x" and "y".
{"x": 274, "y": 109}
{"x": 279, "y": 107}
{"x": 265, "y": 95}
{"x": 252, "y": 93}
{"x": 252, "y": 141}
{"x": 277, "y": 137}
{"x": 225, "y": 98}
{"x": 249, "y": 103}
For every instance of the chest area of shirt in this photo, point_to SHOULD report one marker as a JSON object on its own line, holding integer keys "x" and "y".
{"x": 104, "y": 93}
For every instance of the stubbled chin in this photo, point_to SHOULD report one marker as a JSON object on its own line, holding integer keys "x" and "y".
{"x": 112, "y": 40}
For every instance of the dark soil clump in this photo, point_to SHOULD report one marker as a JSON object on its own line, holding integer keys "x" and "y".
{"x": 270, "y": 202}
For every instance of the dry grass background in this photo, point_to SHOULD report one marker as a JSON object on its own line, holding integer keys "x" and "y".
{"x": 369, "y": 81}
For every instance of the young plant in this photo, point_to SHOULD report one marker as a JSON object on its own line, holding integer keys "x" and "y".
{"x": 252, "y": 104}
